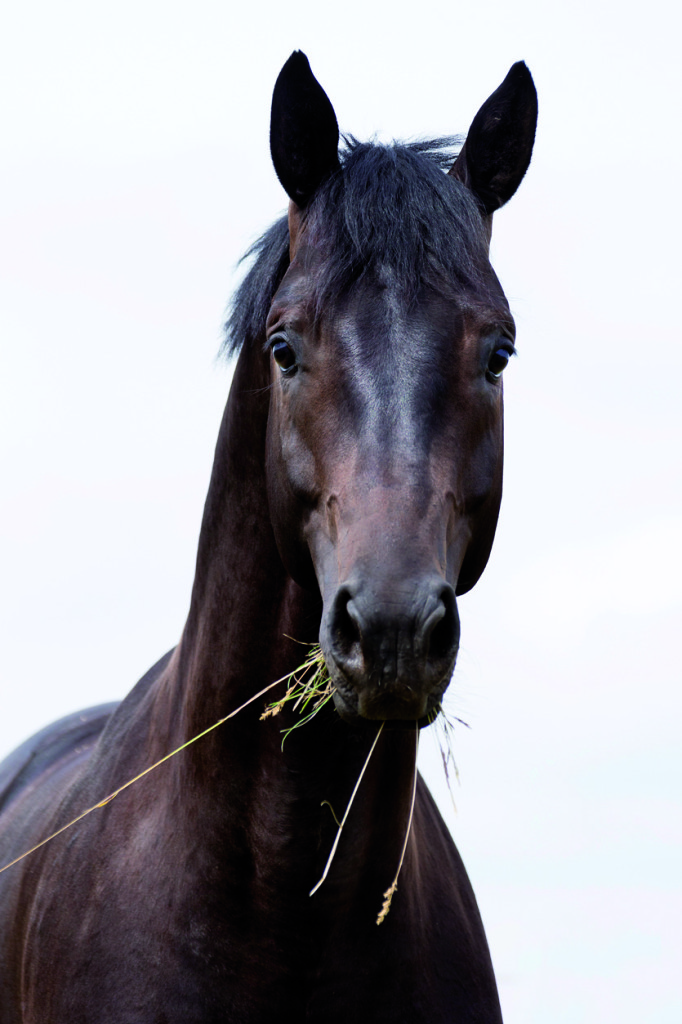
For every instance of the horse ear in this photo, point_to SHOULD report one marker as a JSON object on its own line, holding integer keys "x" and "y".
{"x": 304, "y": 135}
{"x": 497, "y": 151}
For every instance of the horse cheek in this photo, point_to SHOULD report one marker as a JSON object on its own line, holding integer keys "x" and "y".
{"x": 486, "y": 469}
{"x": 289, "y": 468}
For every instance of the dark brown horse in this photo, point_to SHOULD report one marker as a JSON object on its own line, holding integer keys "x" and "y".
{"x": 355, "y": 492}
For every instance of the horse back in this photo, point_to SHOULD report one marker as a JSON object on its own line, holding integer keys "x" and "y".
{"x": 56, "y": 742}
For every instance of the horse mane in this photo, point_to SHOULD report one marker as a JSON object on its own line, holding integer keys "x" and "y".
{"x": 388, "y": 206}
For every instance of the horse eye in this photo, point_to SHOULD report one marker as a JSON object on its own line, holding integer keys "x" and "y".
{"x": 283, "y": 355}
{"x": 498, "y": 361}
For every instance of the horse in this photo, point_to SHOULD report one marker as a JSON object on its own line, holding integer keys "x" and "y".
{"x": 354, "y": 495}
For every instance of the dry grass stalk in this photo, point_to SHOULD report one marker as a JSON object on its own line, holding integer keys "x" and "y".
{"x": 388, "y": 895}
{"x": 151, "y": 768}
{"x": 445, "y": 737}
{"x": 343, "y": 820}
{"x": 386, "y": 905}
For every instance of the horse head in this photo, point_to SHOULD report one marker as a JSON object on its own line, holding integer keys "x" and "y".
{"x": 388, "y": 336}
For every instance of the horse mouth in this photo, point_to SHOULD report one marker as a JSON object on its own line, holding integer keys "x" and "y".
{"x": 397, "y": 709}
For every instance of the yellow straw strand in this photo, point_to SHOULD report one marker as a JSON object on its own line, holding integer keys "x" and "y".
{"x": 151, "y": 768}
{"x": 327, "y": 804}
{"x": 343, "y": 820}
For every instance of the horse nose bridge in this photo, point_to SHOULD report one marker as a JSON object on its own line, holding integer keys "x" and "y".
{"x": 398, "y": 529}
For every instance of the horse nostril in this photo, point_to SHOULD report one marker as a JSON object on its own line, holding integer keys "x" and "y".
{"x": 394, "y": 650}
{"x": 344, "y": 627}
{"x": 440, "y": 631}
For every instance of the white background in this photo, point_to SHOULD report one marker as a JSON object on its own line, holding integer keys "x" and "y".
{"x": 134, "y": 172}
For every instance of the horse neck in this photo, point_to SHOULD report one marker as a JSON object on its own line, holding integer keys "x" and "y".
{"x": 243, "y": 602}
{"x": 244, "y": 609}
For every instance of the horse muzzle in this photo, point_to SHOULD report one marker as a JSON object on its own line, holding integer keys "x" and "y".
{"x": 391, "y": 650}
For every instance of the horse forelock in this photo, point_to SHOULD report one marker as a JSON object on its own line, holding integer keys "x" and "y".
{"x": 387, "y": 207}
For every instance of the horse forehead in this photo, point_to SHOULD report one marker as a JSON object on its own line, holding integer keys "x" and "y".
{"x": 383, "y": 328}
{"x": 396, "y": 382}
{"x": 293, "y": 302}
{"x": 404, "y": 341}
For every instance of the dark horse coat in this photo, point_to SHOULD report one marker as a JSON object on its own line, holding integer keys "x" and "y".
{"x": 354, "y": 494}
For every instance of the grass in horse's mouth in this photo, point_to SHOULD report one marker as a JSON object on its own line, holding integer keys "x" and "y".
{"x": 445, "y": 736}
{"x": 309, "y": 687}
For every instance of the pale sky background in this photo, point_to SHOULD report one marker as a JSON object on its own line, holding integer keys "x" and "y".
{"x": 134, "y": 171}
